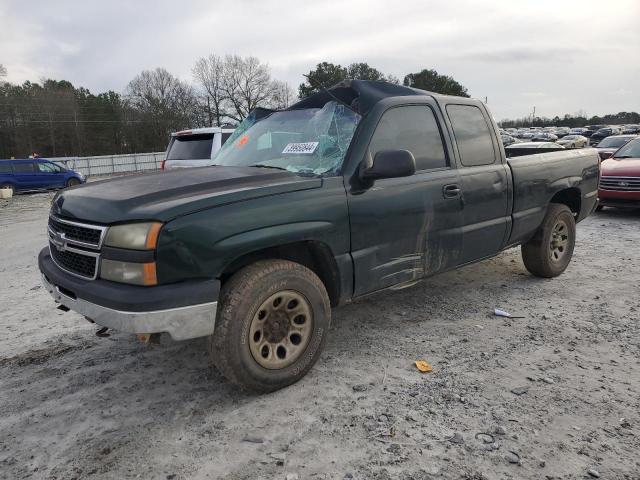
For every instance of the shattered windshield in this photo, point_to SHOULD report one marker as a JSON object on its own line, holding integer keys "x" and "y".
{"x": 309, "y": 141}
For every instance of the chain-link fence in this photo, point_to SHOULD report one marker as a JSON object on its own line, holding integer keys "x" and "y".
{"x": 112, "y": 164}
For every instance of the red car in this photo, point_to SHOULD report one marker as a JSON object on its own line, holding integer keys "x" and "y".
{"x": 620, "y": 178}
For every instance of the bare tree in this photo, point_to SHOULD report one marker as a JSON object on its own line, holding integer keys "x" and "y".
{"x": 209, "y": 74}
{"x": 3, "y": 71}
{"x": 247, "y": 85}
{"x": 163, "y": 102}
{"x": 283, "y": 95}
{"x": 236, "y": 85}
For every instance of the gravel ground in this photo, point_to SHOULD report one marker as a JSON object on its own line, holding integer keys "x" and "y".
{"x": 555, "y": 394}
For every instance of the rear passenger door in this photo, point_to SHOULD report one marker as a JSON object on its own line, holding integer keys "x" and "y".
{"x": 405, "y": 228}
{"x": 485, "y": 182}
{"x": 25, "y": 175}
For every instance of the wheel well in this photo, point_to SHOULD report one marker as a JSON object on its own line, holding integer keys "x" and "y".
{"x": 570, "y": 197}
{"x": 316, "y": 256}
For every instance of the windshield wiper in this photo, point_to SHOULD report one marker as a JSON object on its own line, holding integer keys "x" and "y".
{"x": 261, "y": 165}
{"x": 624, "y": 156}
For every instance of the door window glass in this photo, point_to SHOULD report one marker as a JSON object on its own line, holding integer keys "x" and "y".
{"x": 472, "y": 135}
{"x": 412, "y": 128}
{"x": 46, "y": 167}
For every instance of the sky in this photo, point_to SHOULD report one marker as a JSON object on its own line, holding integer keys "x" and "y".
{"x": 561, "y": 56}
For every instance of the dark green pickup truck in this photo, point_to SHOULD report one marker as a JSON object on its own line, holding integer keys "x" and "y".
{"x": 356, "y": 189}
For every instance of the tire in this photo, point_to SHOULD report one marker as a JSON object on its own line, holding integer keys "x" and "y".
{"x": 550, "y": 250}
{"x": 263, "y": 344}
{"x": 599, "y": 208}
{"x": 8, "y": 186}
{"x": 72, "y": 182}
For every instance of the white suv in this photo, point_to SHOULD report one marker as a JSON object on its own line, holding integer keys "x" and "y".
{"x": 195, "y": 148}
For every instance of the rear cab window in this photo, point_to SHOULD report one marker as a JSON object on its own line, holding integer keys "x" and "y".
{"x": 413, "y": 128}
{"x": 473, "y": 135}
{"x": 190, "y": 147}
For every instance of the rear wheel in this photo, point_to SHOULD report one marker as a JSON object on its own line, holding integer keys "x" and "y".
{"x": 272, "y": 324}
{"x": 550, "y": 250}
{"x": 72, "y": 182}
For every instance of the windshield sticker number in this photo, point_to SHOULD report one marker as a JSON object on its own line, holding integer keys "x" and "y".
{"x": 306, "y": 148}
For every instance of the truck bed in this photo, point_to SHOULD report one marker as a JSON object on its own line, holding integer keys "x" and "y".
{"x": 534, "y": 187}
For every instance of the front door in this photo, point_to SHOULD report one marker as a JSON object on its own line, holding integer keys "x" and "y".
{"x": 405, "y": 228}
{"x": 50, "y": 175}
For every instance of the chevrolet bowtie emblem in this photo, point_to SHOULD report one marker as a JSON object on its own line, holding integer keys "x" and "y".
{"x": 59, "y": 241}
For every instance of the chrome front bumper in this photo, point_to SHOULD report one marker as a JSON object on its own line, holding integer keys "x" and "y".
{"x": 181, "y": 323}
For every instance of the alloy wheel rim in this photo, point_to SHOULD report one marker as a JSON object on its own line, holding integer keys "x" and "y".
{"x": 559, "y": 241}
{"x": 280, "y": 329}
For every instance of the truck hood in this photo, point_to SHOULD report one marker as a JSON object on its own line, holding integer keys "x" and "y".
{"x": 164, "y": 196}
{"x": 625, "y": 167}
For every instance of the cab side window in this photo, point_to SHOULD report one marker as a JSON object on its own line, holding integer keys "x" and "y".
{"x": 473, "y": 135}
{"x": 412, "y": 128}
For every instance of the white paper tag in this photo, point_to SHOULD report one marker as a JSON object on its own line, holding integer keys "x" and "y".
{"x": 300, "y": 148}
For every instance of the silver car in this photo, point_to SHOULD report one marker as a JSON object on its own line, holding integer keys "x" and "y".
{"x": 195, "y": 148}
{"x": 573, "y": 141}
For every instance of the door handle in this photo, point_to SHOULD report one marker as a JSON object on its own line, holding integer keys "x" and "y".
{"x": 451, "y": 191}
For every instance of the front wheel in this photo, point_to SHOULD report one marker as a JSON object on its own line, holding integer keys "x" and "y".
{"x": 550, "y": 250}
{"x": 72, "y": 182}
{"x": 273, "y": 320}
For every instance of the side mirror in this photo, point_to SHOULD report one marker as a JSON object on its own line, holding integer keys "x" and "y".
{"x": 605, "y": 155}
{"x": 390, "y": 164}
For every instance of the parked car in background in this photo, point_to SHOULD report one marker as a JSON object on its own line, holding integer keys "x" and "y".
{"x": 631, "y": 129}
{"x": 577, "y": 131}
{"x": 620, "y": 178}
{"x": 544, "y": 137}
{"x": 601, "y": 134}
{"x": 508, "y": 140}
{"x": 36, "y": 174}
{"x": 562, "y": 131}
{"x": 195, "y": 148}
{"x": 607, "y": 147}
{"x": 573, "y": 141}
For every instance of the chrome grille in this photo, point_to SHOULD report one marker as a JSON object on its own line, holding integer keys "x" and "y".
{"x": 73, "y": 261}
{"x": 620, "y": 184}
{"x": 78, "y": 233}
{"x": 75, "y": 247}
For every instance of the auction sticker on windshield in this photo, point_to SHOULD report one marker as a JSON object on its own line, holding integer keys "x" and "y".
{"x": 300, "y": 148}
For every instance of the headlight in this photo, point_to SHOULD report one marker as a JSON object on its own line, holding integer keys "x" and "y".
{"x": 126, "y": 272}
{"x": 134, "y": 236}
